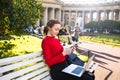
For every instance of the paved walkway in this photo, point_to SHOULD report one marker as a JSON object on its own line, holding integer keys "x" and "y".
{"x": 108, "y": 58}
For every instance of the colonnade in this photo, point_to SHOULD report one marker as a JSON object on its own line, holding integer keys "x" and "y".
{"x": 51, "y": 13}
{"x": 87, "y": 16}
{"x": 69, "y": 15}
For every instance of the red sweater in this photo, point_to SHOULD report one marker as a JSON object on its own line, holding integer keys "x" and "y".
{"x": 52, "y": 51}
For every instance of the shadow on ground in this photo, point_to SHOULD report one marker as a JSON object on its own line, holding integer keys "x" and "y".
{"x": 101, "y": 57}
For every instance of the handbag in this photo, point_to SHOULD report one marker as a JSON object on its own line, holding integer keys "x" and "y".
{"x": 73, "y": 59}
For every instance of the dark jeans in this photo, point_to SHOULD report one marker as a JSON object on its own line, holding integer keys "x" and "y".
{"x": 57, "y": 74}
{"x": 74, "y": 39}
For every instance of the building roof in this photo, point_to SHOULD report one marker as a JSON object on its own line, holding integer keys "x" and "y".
{"x": 83, "y": 2}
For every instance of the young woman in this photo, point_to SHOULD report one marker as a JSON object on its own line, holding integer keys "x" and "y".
{"x": 54, "y": 54}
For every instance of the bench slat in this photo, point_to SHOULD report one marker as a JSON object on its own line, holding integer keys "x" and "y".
{"x": 33, "y": 74}
{"x": 47, "y": 78}
{"x": 20, "y": 64}
{"x": 29, "y": 66}
{"x": 9, "y": 60}
{"x": 22, "y": 71}
{"x": 41, "y": 76}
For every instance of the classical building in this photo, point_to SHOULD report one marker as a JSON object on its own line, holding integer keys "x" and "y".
{"x": 69, "y": 14}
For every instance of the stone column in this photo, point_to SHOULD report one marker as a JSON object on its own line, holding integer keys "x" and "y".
{"x": 119, "y": 15}
{"x": 69, "y": 17}
{"x": 63, "y": 18}
{"x": 56, "y": 14}
{"x": 45, "y": 17}
{"x": 76, "y": 14}
{"x": 98, "y": 15}
{"x": 91, "y": 16}
{"x": 59, "y": 16}
{"x": 52, "y": 13}
{"x": 83, "y": 20}
{"x": 105, "y": 16}
{"x": 112, "y": 15}
{"x": 85, "y": 17}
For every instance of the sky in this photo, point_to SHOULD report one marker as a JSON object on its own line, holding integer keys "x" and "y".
{"x": 87, "y": 1}
{"x": 79, "y": 0}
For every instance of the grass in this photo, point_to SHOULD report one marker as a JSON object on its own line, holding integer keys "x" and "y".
{"x": 109, "y": 39}
{"x": 14, "y": 45}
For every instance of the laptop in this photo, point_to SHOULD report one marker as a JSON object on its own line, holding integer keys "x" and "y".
{"x": 78, "y": 70}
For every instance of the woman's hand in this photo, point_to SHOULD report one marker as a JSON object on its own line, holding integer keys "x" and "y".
{"x": 72, "y": 48}
{"x": 68, "y": 50}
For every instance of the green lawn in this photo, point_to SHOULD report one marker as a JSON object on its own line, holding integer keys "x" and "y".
{"x": 109, "y": 39}
{"x": 14, "y": 45}
{"x": 17, "y": 45}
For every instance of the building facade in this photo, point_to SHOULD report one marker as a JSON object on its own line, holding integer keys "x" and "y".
{"x": 69, "y": 14}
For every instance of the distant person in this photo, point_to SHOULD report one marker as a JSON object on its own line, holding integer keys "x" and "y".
{"x": 67, "y": 29}
{"x": 79, "y": 21}
{"x": 37, "y": 30}
{"x": 72, "y": 32}
{"x": 64, "y": 35}
{"x": 62, "y": 31}
{"x": 42, "y": 29}
{"x": 30, "y": 29}
{"x": 77, "y": 31}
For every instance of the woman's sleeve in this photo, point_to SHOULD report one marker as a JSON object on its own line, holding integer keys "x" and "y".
{"x": 47, "y": 55}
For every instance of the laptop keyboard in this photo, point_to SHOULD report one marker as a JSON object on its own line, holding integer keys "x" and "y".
{"x": 77, "y": 70}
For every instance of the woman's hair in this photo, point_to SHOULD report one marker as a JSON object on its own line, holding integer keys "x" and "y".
{"x": 50, "y": 24}
{"x": 76, "y": 23}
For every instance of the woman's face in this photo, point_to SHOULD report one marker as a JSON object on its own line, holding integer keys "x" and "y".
{"x": 55, "y": 30}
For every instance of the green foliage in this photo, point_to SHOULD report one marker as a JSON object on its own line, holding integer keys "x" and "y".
{"x": 109, "y": 24}
{"x": 25, "y": 12}
{"x": 4, "y": 8}
{"x": 118, "y": 25}
{"x": 4, "y": 13}
{"x": 92, "y": 24}
{"x": 4, "y": 26}
{"x": 16, "y": 14}
{"x": 102, "y": 25}
{"x": 5, "y": 48}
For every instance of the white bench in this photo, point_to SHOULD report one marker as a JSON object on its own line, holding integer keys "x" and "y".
{"x": 25, "y": 67}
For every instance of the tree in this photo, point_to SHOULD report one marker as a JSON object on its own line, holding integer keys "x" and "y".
{"x": 25, "y": 12}
{"x": 92, "y": 25}
{"x": 16, "y": 14}
{"x": 108, "y": 25}
{"x": 4, "y": 13}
